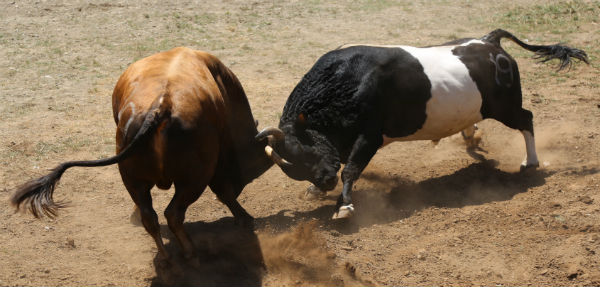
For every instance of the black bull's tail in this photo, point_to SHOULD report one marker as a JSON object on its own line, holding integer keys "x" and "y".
{"x": 36, "y": 195}
{"x": 542, "y": 52}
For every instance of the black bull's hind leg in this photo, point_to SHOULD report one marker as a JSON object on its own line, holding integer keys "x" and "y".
{"x": 522, "y": 120}
{"x": 363, "y": 150}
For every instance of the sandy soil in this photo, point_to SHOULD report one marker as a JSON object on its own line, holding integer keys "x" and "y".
{"x": 426, "y": 215}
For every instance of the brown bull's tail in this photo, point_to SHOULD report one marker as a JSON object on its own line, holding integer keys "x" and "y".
{"x": 543, "y": 52}
{"x": 36, "y": 195}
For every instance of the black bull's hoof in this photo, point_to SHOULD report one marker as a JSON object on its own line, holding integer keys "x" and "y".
{"x": 345, "y": 211}
{"x": 526, "y": 167}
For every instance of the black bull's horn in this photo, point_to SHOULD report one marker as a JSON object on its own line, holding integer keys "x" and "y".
{"x": 274, "y": 135}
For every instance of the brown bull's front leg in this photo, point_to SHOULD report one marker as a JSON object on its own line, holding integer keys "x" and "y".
{"x": 363, "y": 150}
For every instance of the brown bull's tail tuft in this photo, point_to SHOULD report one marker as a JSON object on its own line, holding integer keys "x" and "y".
{"x": 36, "y": 195}
{"x": 542, "y": 52}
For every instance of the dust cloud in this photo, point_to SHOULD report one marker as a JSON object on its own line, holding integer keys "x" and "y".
{"x": 301, "y": 257}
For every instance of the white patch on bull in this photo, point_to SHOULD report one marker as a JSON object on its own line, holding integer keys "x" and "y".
{"x": 123, "y": 110}
{"x": 455, "y": 100}
{"x": 474, "y": 41}
{"x": 133, "y": 86}
{"x": 531, "y": 159}
{"x": 129, "y": 120}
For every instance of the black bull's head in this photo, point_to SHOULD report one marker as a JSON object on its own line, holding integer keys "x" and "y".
{"x": 302, "y": 155}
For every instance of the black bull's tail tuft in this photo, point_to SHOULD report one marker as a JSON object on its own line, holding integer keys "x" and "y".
{"x": 36, "y": 195}
{"x": 542, "y": 52}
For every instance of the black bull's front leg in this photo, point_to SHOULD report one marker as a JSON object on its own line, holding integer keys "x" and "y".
{"x": 363, "y": 150}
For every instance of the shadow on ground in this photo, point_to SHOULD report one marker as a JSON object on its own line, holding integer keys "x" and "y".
{"x": 228, "y": 255}
{"x": 386, "y": 198}
{"x": 232, "y": 256}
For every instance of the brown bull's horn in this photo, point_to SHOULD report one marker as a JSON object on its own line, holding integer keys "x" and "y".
{"x": 277, "y": 134}
{"x": 276, "y": 158}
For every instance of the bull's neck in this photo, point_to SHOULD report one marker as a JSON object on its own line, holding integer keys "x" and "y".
{"x": 253, "y": 161}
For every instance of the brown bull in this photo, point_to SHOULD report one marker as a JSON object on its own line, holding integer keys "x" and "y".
{"x": 182, "y": 118}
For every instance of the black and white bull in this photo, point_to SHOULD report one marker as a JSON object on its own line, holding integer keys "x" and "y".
{"x": 358, "y": 98}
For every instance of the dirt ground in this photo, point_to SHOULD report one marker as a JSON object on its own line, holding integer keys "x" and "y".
{"x": 425, "y": 214}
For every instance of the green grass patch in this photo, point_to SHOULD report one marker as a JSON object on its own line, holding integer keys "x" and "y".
{"x": 556, "y": 17}
{"x": 378, "y": 5}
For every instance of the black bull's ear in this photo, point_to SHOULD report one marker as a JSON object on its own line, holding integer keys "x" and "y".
{"x": 301, "y": 122}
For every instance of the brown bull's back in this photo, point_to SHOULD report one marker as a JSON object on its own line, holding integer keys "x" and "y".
{"x": 187, "y": 142}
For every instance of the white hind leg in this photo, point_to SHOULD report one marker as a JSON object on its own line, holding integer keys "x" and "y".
{"x": 531, "y": 160}
{"x": 468, "y": 135}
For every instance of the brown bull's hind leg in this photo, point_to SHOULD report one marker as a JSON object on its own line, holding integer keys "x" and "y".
{"x": 185, "y": 194}
{"x": 228, "y": 194}
{"x": 140, "y": 193}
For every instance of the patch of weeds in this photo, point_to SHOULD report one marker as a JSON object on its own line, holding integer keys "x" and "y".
{"x": 11, "y": 155}
{"x": 11, "y": 72}
{"x": 204, "y": 19}
{"x": 247, "y": 48}
{"x": 57, "y": 51}
{"x": 22, "y": 109}
{"x": 449, "y": 37}
{"x": 313, "y": 44}
{"x": 556, "y": 17}
{"x": 96, "y": 63}
{"x": 42, "y": 148}
{"x": 133, "y": 25}
{"x": 93, "y": 91}
{"x": 376, "y": 5}
{"x": 141, "y": 50}
{"x": 183, "y": 25}
{"x": 74, "y": 143}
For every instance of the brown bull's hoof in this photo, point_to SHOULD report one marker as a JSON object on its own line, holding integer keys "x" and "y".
{"x": 136, "y": 218}
{"x": 346, "y": 211}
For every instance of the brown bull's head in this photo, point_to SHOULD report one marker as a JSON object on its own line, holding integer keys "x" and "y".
{"x": 302, "y": 155}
